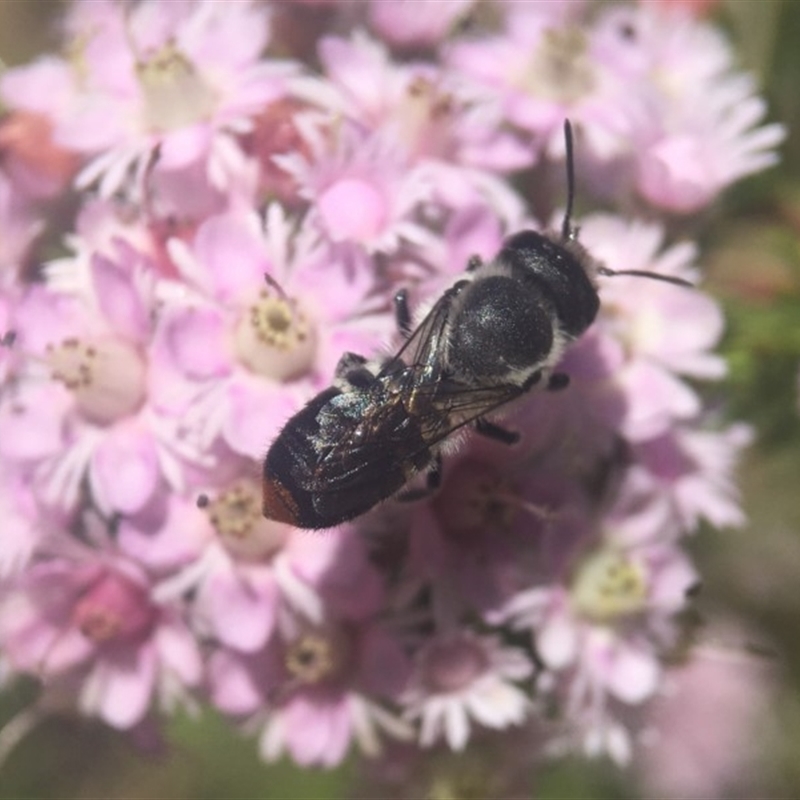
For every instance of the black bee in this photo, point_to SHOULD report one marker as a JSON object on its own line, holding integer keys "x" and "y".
{"x": 487, "y": 341}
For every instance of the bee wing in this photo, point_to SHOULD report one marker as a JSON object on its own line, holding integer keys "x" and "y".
{"x": 420, "y": 351}
{"x": 353, "y": 476}
{"x": 464, "y": 405}
{"x": 402, "y": 440}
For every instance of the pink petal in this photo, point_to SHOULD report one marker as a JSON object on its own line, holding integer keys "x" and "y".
{"x": 233, "y": 686}
{"x": 32, "y": 421}
{"x": 231, "y": 248}
{"x": 318, "y": 729}
{"x": 634, "y": 675}
{"x": 181, "y": 147}
{"x": 120, "y": 303}
{"x": 124, "y": 684}
{"x": 241, "y": 612}
{"x": 196, "y": 339}
{"x": 675, "y": 173}
{"x": 68, "y": 649}
{"x": 178, "y": 651}
{"x": 166, "y": 542}
{"x": 353, "y": 209}
{"x": 672, "y": 581}
{"x": 655, "y": 399}
{"x": 124, "y": 469}
{"x": 37, "y": 86}
{"x": 257, "y": 412}
{"x": 558, "y": 642}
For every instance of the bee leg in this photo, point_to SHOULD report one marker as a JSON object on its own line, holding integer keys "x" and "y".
{"x": 347, "y": 363}
{"x": 474, "y": 262}
{"x": 401, "y": 313}
{"x": 557, "y": 382}
{"x": 433, "y": 480}
{"x": 351, "y": 370}
{"x": 496, "y": 432}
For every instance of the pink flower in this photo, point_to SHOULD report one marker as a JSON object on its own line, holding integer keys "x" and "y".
{"x": 545, "y": 67}
{"x": 180, "y": 80}
{"x": 362, "y": 189}
{"x": 459, "y": 676}
{"x": 650, "y": 330}
{"x": 416, "y": 23}
{"x": 428, "y": 113}
{"x": 36, "y": 166}
{"x": 251, "y": 350}
{"x": 320, "y": 684}
{"x": 94, "y": 622}
{"x": 603, "y": 630}
{"x": 25, "y": 524}
{"x": 672, "y": 326}
{"x": 695, "y": 133}
{"x": 477, "y": 542}
{"x": 93, "y": 414}
{"x": 707, "y": 729}
{"x": 689, "y": 476}
{"x": 243, "y": 570}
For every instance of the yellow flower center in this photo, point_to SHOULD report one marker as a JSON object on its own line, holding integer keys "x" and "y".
{"x": 175, "y": 94}
{"x": 275, "y": 339}
{"x": 106, "y": 376}
{"x": 319, "y": 655}
{"x": 560, "y": 68}
{"x": 236, "y": 515}
{"x": 608, "y": 585}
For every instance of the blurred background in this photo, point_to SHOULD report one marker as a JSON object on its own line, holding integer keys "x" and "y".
{"x": 751, "y": 247}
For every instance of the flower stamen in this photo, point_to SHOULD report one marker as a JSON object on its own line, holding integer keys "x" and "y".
{"x": 106, "y": 376}
{"x": 236, "y": 515}
{"x": 275, "y": 339}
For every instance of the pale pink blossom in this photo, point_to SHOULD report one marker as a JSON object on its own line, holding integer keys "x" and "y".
{"x": 411, "y": 22}
{"x": 602, "y": 632}
{"x": 93, "y": 622}
{"x": 323, "y": 687}
{"x": 687, "y": 475}
{"x": 362, "y": 189}
{"x": 179, "y": 80}
{"x": 259, "y": 324}
{"x": 243, "y": 569}
{"x": 459, "y": 678}
{"x": 429, "y": 113}
{"x": 699, "y": 125}
{"x": 708, "y": 730}
{"x": 83, "y": 405}
{"x": 545, "y": 69}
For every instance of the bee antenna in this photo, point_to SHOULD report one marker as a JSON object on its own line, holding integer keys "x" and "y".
{"x": 8, "y": 339}
{"x": 202, "y": 501}
{"x": 640, "y": 273}
{"x": 568, "y": 233}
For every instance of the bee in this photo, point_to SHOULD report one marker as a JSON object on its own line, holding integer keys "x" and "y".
{"x": 488, "y": 340}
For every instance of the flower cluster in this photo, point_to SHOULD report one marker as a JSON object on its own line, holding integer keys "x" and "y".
{"x": 246, "y": 194}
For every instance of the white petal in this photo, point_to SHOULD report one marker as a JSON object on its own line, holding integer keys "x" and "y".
{"x": 456, "y": 725}
{"x": 558, "y": 642}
